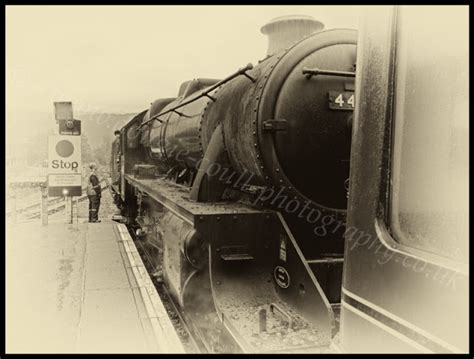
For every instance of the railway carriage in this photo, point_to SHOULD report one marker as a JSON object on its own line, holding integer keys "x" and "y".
{"x": 406, "y": 260}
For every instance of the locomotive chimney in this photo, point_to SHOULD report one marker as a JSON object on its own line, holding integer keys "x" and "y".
{"x": 284, "y": 31}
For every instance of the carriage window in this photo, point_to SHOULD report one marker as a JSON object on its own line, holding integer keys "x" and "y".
{"x": 429, "y": 204}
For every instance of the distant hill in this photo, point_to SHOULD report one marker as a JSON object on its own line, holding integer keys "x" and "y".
{"x": 98, "y": 133}
{"x": 27, "y": 136}
{"x": 100, "y": 126}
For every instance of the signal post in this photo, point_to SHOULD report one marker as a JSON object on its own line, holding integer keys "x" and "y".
{"x": 64, "y": 158}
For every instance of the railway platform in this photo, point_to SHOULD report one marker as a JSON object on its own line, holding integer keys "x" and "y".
{"x": 81, "y": 288}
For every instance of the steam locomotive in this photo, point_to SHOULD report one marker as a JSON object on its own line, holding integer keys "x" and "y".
{"x": 238, "y": 188}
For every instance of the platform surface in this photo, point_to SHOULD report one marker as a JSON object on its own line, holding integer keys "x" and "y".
{"x": 70, "y": 289}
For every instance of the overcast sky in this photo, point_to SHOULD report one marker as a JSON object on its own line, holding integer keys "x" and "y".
{"x": 119, "y": 59}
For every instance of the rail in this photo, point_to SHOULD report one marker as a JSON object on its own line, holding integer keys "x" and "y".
{"x": 315, "y": 72}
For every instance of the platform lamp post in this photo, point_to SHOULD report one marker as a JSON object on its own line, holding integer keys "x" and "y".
{"x": 68, "y": 208}
{"x": 44, "y": 203}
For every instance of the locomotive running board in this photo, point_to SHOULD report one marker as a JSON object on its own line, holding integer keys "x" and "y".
{"x": 176, "y": 198}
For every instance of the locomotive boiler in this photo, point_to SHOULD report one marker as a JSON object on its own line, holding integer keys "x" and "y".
{"x": 238, "y": 189}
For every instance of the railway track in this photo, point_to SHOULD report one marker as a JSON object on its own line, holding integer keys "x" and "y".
{"x": 55, "y": 205}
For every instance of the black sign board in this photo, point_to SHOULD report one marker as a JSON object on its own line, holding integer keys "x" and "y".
{"x": 70, "y": 127}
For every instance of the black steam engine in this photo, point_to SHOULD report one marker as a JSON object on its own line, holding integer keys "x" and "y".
{"x": 238, "y": 189}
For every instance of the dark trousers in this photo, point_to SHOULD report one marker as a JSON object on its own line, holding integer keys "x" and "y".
{"x": 94, "y": 204}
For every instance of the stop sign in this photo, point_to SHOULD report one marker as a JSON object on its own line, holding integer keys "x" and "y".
{"x": 64, "y": 165}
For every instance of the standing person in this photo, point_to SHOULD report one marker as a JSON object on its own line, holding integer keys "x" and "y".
{"x": 94, "y": 194}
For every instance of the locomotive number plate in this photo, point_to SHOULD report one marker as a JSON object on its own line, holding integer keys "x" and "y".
{"x": 341, "y": 100}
